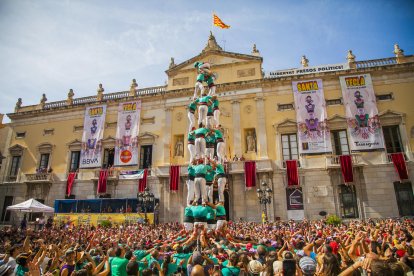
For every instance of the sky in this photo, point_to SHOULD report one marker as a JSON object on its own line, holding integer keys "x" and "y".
{"x": 51, "y": 46}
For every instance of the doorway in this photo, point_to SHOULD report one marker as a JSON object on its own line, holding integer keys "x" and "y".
{"x": 405, "y": 198}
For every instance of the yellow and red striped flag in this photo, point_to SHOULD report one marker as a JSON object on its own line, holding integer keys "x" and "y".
{"x": 219, "y": 23}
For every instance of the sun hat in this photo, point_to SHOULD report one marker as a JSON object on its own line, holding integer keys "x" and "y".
{"x": 255, "y": 267}
{"x": 307, "y": 265}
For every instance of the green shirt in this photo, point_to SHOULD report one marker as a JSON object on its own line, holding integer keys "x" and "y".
{"x": 139, "y": 254}
{"x": 218, "y": 134}
{"x": 180, "y": 256}
{"x": 214, "y": 259}
{"x": 205, "y": 99}
{"x": 199, "y": 211}
{"x": 202, "y": 131}
{"x": 210, "y": 139}
{"x": 200, "y": 169}
{"x": 118, "y": 266}
{"x": 191, "y": 170}
{"x": 188, "y": 212}
{"x": 215, "y": 103}
{"x": 172, "y": 268}
{"x": 220, "y": 169}
{"x": 210, "y": 109}
{"x": 211, "y": 213}
{"x": 220, "y": 210}
{"x": 210, "y": 173}
{"x": 21, "y": 270}
{"x": 191, "y": 136}
{"x": 230, "y": 271}
{"x": 193, "y": 105}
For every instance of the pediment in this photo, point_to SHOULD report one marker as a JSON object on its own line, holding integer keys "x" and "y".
{"x": 215, "y": 58}
{"x": 286, "y": 126}
{"x": 391, "y": 117}
{"x": 390, "y": 113}
{"x": 74, "y": 145}
{"x": 336, "y": 118}
{"x": 45, "y": 148}
{"x": 16, "y": 149}
{"x": 147, "y": 138}
{"x": 108, "y": 142}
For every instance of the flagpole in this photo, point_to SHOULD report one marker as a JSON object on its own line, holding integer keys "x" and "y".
{"x": 212, "y": 22}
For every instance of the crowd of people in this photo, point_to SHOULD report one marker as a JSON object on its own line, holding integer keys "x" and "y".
{"x": 383, "y": 247}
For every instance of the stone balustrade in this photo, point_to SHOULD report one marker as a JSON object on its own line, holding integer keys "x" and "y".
{"x": 38, "y": 177}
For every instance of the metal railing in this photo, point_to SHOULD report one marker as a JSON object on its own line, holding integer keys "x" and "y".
{"x": 389, "y": 158}
{"x": 334, "y": 159}
{"x": 111, "y": 173}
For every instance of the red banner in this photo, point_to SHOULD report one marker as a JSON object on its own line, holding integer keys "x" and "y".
{"x": 399, "y": 164}
{"x": 142, "y": 183}
{"x": 103, "y": 176}
{"x": 346, "y": 168}
{"x": 292, "y": 172}
{"x": 69, "y": 183}
{"x": 250, "y": 174}
{"x": 174, "y": 178}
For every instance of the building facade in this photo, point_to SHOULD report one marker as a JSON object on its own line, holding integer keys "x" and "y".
{"x": 254, "y": 107}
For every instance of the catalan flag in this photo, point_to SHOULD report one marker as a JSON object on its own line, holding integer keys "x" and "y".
{"x": 217, "y": 22}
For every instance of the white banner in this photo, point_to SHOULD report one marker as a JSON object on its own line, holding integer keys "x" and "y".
{"x": 313, "y": 132}
{"x": 361, "y": 112}
{"x": 139, "y": 174}
{"x": 126, "y": 148}
{"x": 93, "y": 128}
{"x": 307, "y": 70}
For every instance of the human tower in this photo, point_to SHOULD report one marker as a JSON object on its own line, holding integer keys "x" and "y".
{"x": 204, "y": 139}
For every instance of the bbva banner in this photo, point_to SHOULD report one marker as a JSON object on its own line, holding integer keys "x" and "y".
{"x": 126, "y": 147}
{"x": 361, "y": 113}
{"x": 93, "y": 128}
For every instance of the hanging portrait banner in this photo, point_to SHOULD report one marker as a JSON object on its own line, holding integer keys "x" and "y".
{"x": 126, "y": 147}
{"x": 313, "y": 132}
{"x": 93, "y": 128}
{"x": 364, "y": 127}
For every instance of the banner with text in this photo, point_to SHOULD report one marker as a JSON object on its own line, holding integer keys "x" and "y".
{"x": 361, "y": 113}
{"x": 126, "y": 148}
{"x": 93, "y": 128}
{"x": 308, "y": 70}
{"x": 313, "y": 132}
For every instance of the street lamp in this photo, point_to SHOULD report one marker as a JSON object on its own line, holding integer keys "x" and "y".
{"x": 146, "y": 200}
{"x": 264, "y": 194}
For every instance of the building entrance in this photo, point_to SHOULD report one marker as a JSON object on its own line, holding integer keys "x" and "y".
{"x": 405, "y": 198}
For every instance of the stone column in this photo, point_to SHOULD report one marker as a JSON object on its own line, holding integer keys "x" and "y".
{"x": 261, "y": 127}
{"x": 236, "y": 128}
{"x": 167, "y": 134}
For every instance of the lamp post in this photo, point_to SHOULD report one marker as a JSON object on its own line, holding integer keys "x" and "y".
{"x": 264, "y": 194}
{"x": 147, "y": 200}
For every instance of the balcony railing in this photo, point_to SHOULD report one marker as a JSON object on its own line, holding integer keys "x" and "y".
{"x": 11, "y": 178}
{"x": 112, "y": 174}
{"x": 38, "y": 177}
{"x": 333, "y": 160}
{"x": 389, "y": 159}
{"x": 284, "y": 164}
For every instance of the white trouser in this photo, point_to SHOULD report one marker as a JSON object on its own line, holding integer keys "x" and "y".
{"x": 198, "y": 86}
{"x": 221, "y": 149}
{"x": 200, "y": 189}
{"x": 221, "y": 224}
{"x": 209, "y": 189}
{"x": 200, "y": 147}
{"x": 191, "y": 118}
{"x": 221, "y": 186}
{"x": 192, "y": 150}
{"x": 216, "y": 114}
{"x": 191, "y": 192}
{"x": 202, "y": 114}
{"x": 188, "y": 226}
{"x": 212, "y": 91}
{"x": 209, "y": 121}
{"x": 210, "y": 153}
